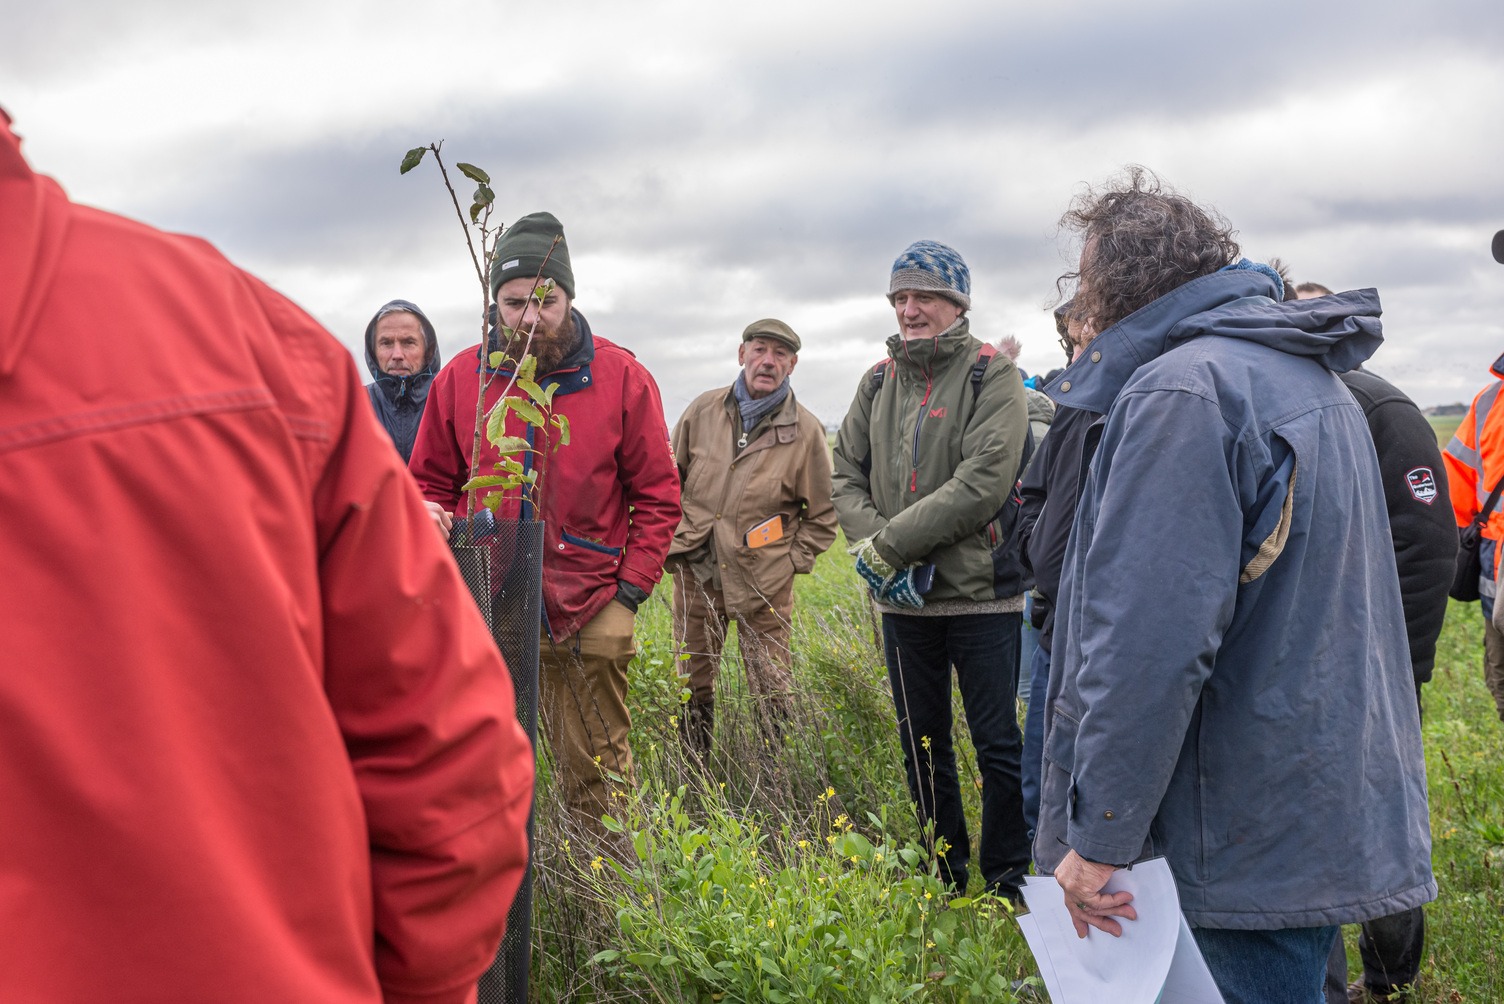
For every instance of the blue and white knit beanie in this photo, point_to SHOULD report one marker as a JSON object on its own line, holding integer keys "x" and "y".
{"x": 930, "y": 265}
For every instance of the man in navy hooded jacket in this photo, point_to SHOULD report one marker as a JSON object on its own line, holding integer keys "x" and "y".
{"x": 1230, "y": 685}
{"x": 402, "y": 353}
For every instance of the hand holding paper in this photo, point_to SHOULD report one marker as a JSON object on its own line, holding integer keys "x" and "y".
{"x": 1082, "y": 882}
{"x": 1155, "y": 959}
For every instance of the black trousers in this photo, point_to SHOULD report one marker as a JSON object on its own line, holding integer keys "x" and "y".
{"x": 983, "y": 649}
{"x": 1392, "y": 949}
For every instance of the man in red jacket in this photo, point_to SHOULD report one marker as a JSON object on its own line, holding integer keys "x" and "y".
{"x": 257, "y": 742}
{"x": 609, "y": 499}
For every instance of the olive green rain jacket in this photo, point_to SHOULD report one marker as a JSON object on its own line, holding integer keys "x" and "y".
{"x": 926, "y": 466}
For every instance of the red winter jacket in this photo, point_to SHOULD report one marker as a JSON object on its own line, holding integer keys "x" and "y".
{"x": 256, "y": 743}
{"x": 617, "y": 462}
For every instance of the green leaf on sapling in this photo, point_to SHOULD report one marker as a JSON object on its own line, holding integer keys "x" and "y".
{"x": 533, "y": 391}
{"x": 412, "y": 158}
{"x": 496, "y": 421}
{"x": 473, "y": 173}
{"x": 483, "y": 198}
{"x": 489, "y": 481}
{"x": 527, "y": 410}
{"x": 511, "y": 444}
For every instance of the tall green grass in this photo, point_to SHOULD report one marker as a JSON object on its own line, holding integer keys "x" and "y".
{"x": 794, "y": 871}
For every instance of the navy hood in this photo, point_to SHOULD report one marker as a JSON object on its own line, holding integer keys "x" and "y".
{"x": 429, "y": 336}
{"x": 399, "y": 400}
{"x": 1338, "y": 331}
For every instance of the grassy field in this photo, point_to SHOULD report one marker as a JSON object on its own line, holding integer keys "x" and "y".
{"x": 1445, "y": 426}
{"x": 795, "y": 871}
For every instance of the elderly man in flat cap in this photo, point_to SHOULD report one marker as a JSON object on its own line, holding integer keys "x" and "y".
{"x": 757, "y": 511}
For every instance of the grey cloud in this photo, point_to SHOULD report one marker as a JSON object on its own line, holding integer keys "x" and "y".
{"x": 788, "y": 178}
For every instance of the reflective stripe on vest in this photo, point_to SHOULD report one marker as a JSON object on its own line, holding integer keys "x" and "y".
{"x": 1481, "y": 407}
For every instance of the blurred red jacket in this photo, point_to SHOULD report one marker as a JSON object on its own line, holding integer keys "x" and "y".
{"x": 256, "y": 743}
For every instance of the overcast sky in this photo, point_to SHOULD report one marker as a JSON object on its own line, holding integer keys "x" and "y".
{"x": 715, "y": 163}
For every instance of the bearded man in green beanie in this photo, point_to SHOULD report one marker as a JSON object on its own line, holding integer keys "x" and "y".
{"x": 609, "y": 499}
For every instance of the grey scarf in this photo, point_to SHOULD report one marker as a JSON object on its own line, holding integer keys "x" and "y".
{"x": 754, "y": 408}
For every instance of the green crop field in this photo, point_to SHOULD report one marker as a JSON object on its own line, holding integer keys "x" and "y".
{"x": 1445, "y": 426}
{"x": 793, "y": 871}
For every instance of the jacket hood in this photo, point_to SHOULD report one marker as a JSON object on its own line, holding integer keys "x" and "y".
{"x": 392, "y": 384}
{"x": 1339, "y": 331}
{"x": 1041, "y": 408}
{"x": 34, "y": 209}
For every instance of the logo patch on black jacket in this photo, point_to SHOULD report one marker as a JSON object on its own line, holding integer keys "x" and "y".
{"x": 1422, "y": 484}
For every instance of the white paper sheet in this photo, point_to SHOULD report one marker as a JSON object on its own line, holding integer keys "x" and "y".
{"x": 1156, "y": 959}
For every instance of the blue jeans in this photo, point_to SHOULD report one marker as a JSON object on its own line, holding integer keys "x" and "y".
{"x": 1268, "y": 967}
{"x": 983, "y": 648}
{"x": 1033, "y": 767}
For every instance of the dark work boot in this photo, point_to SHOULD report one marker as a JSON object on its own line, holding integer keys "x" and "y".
{"x": 697, "y": 727}
{"x": 772, "y": 721}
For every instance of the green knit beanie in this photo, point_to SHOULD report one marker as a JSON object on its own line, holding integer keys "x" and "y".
{"x": 521, "y": 251}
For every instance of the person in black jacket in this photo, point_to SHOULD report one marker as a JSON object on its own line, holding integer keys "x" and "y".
{"x": 1425, "y": 550}
{"x": 1053, "y": 476}
{"x": 402, "y": 353}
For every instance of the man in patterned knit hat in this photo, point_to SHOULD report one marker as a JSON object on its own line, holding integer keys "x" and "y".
{"x": 925, "y": 468}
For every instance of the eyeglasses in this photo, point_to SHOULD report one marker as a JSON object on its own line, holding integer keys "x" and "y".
{"x": 1062, "y": 328}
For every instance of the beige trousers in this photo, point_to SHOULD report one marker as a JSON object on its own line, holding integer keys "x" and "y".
{"x": 700, "y": 622}
{"x": 1493, "y": 664}
{"x": 582, "y": 701}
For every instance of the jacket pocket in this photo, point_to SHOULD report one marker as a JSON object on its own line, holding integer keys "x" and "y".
{"x": 585, "y": 561}
{"x": 1269, "y": 529}
{"x": 590, "y": 545}
{"x": 770, "y": 567}
{"x": 1057, "y": 789}
{"x": 1060, "y": 743}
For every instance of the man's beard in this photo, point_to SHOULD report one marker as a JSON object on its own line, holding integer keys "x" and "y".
{"x": 549, "y": 345}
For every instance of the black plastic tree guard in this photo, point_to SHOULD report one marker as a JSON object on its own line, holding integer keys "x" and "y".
{"x": 504, "y": 570}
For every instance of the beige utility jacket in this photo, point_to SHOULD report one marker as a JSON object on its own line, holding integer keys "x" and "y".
{"x": 783, "y": 471}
